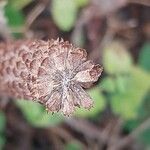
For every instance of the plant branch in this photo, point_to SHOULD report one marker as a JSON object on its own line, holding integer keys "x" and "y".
{"x": 125, "y": 141}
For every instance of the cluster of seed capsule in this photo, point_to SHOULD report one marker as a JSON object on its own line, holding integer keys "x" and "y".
{"x": 52, "y": 73}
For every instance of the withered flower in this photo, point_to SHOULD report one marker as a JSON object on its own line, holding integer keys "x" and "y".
{"x": 52, "y": 73}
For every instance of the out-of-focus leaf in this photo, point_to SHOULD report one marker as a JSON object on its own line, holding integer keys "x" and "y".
{"x": 2, "y": 142}
{"x": 143, "y": 114}
{"x": 15, "y": 17}
{"x": 36, "y": 114}
{"x": 64, "y": 13}
{"x": 2, "y": 121}
{"x": 108, "y": 85}
{"x": 81, "y": 3}
{"x": 114, "y": 84}
{"x": 121, "y": 83}
{"x": 99, "y": 104}
{"x": 145, "y": 136}
{"x": 19, "y": 4}
{"x": 78, "y": 38}
{"x": 127, "y": 104}
{"x": 130, "y": 125}
{"x": 73, "y": 146}
{"x": 2, "y": 128}
{"x": 145, "y": 107}
{"x": 144, "y": 57}
{"x": 116, "y": 59}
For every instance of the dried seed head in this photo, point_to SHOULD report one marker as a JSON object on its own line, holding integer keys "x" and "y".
{"x": 52, "y": 73}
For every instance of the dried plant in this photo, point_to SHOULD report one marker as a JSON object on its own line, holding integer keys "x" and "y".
{"x": 52, "y": 73}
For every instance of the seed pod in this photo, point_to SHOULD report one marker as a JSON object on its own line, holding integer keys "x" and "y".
{"x": 50, "y": 72}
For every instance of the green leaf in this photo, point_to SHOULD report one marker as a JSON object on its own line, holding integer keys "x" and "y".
{"x": 15, "y": 17}
{"x": 130, "y": 125}
{"x": 73, "y": 145}
{"x": 64, "y": 13}
{"x": 116, "y": 59}
{"x": 99, "y": 104}
{"x": 127, "y": 104}
{"x": 144, "y": 137}
{"x": 37, "y": 115}
{"x": 108, "y": 85}
{"x": 143, "y": 114}
{"x": 145, "y": 107}
{"x": 121, "y": 83}
{"x": 144, "y": 57}
{"x": 2, "y": 142}
{"x": 19, "y": 4}
{"x": 2, "y": 128}
{"x": 81, "y": 3}
{"x": 2, "y": 121}
{"x": 114, "y": 84}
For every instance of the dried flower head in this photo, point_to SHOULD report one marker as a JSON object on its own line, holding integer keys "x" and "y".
{"x": 52, "y": 73}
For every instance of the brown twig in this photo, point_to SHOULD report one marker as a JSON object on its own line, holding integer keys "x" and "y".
{"x": 141, "y": 2}
{"x": 125, "y": 141}
{"x": 36, "y": 11}
{"x": 89, "y": 130}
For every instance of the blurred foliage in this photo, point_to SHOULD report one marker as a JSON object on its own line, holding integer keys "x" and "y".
{"x": 125, "y": 83}
{"x": 111, "y": 85}
{"x": 127, "y": 86}
{"x": 144, "y": 57}
{"x": 81, "y": 3}
{"x": 15, "y": 17}
{"x": 64, "y": 13}
{"x": 127, "y": 103}
{"x": 18, "y": 4}
{"x": 145, "y": 137}
{"x": 116, "y": 59}
{"x": 143, "y": 114}
{"x": 114, "y": 85}
{"x": 36, "y": 114}
{"x": 2, "y": 128}
{"x": 73, "y": 145}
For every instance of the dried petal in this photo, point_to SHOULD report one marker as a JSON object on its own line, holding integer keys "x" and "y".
{"x": 89, "y": 75}
{"x": 68, "y": 106}
{"x": 84, "y": 98}
{"x": 76, "y": 56}
{"x": 54, "y": 102}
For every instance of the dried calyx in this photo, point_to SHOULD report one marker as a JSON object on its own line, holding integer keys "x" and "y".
{"x": 52, "y": 73}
